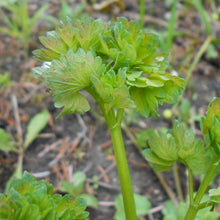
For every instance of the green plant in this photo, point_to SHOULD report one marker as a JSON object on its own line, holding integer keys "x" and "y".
{"x": 66, "y": 11}
{"x": 172, "y": 212}
{"x": 18, "y": 23}
{"x": 199, "y": 157}
{"x": 36, "y": 124}
{"x": 142, "y": 205}
{"x": 76, "y": 186}
{"x": 118, "y": 64}
{"x": 28, "y": 199}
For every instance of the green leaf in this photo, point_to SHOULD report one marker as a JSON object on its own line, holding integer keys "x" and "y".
{"x": 191, "y": 151}
{"x": 45, "y": 55}
{"x": 91, "y": 200}
{"x": 171, "y": 212}
{"x": 147, "y": 100}
{"x": 35, "y": 126}
{"x": 141, "y": 202}
{"x": 210, "y": 125}
{"x": 75, "y": 103}
{"x": 5, "y": 142}
{"x": 157, "y": 163}
{"x": 53, "y": 42}
{"x": 163, "y": 145}
{"x": 214, "y": 195}
{"x": 179, "y": 144}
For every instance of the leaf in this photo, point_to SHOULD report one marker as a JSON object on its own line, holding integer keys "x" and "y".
{"x": 45, "y": 55}
{"x": 53, "y": 42}
{"x": 178, "y": 144}
{"x": 171, "y": 212}
{"x": 91, "y": 200}
{"x": 157, "y": 163}
{"x": 35, "y": 126}
{"x": 5, "y": 142}
{"x": 214, "y": 195}
{"x": 75, "y": 103}
{"x": 191, "y": 151}
{"x": 141, "y": 202}
{"x": 147, "y": 100}
{"x": 210, "y": 125}
{"x": 163, "y": 145}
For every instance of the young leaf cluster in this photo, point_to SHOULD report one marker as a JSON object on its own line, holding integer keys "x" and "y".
{"x": 200, "y": 157}
{"x": 179, "y": 144}
{"x": 29, "y": 199}
{"x": 117, "y": 63}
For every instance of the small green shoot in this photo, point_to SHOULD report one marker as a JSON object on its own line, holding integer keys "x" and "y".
{"x": 66, "y": 11}
{"x": 76, "y": 187}
{"x": 142, "y": 206}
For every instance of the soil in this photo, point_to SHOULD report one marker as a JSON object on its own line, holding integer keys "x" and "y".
{"x": 82, "y": 142}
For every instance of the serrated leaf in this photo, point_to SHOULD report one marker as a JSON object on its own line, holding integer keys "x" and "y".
{"x": 91, "y": 200}
{"x": 45, "y": 55}
{"x": 156, "y": 162}
{"x": 5, "y": 142}
{"x": 210, "y": 125}
{"x": 54, "y": 42}
{"x": 163, "y": 145}
{"x": 35, "y": 126}
{"x": 73, "y": 103}
{"x": 147, "y": 100}
{"x": 142, "y": 205}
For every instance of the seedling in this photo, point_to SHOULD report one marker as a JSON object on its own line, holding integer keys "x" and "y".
{"x": 199, "y": 157}
{"x": 76, "y": 186}
{"x": 118, "y": 64}
{"x": 29, "y": 199}
{"x": 66, "y": 11}
{"x": 19, "y": 24}
{"x": 142, "y": 205}
{"x": 35, "y": 126}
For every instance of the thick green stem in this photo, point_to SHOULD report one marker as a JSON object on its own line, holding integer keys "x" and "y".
{"x": 114, "y": 124}
{"x": 123, "y": 172}
{"x": 193, "y": 209}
